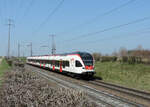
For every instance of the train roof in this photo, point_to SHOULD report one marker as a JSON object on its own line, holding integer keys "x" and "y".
{"x": 75, "y": 53}
{"x": 65, "y": 54}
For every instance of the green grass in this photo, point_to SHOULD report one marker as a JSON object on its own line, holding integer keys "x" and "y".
{"x": 23, "y": 59}
{"x": 3, "y": 67}
{"x": 133, "y": 76}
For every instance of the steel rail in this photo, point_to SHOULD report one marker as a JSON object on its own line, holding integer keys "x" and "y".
{"x": 129, "y": 91}
{"x": 91, "y": 90}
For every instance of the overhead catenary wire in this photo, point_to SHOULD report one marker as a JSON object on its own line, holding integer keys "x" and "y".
{"x": 118, "y": 36}
{"x": 12, "y": 9}
{"x": 5, "y": 7}
{"x": 27, "y": 10}
{"x": 105, "y": 41}
{"x": 19, "y": 8}
{"x": 29, "y": 7}
{"x": 98, "y": 17}
{"x": 128, "y": 34}
{"x": 109, "y": 29}
{"x": 50, "y": 15}
{"x": 1, "y": 14}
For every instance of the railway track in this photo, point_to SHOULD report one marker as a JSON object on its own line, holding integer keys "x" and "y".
{"x": 129, "y": 91}
{"x": 99, "y": 96}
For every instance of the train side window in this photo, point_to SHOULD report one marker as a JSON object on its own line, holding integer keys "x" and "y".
{"x": 57, "y": 63}
{"x": 53, "y": 62}
{"x": 45, "y": 61}
{"x": 67, "y": 63}
{"x": 63, "y": 64}
{"x": 78, "y": 64}
{"x": 50, "y": 62}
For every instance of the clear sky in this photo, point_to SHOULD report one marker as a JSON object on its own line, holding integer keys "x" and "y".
{"x": 73, "y": 22}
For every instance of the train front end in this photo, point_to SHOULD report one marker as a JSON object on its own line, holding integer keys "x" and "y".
{"x": 88, "y": 64}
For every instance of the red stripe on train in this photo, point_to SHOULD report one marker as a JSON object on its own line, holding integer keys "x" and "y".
{"x": 53, "y": 67}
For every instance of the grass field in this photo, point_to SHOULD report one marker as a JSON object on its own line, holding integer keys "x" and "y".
{"x": 133, "y": 76}
{"x": 23, "y": 59}
{"x": 3, "y": 66}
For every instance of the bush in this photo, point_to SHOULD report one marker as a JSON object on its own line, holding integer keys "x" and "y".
{"x": 130, "y": 59}
{"x": 114, "y": 58}
{"x": 9, "y": 62}
{"x": 25, "y": 89}
{"x": 108, "y": 58}
{"x": 96, "y": 56}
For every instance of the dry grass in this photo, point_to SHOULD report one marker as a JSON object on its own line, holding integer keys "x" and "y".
{"x": 26, "y": 89}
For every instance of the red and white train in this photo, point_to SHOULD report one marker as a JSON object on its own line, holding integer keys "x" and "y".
{"x": 77, "y": 63}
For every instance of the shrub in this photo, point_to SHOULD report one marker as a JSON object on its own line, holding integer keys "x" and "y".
{"x": 108, "y": 58}
{"x": 96, "y": 56}
{"x": 25, "y": 89}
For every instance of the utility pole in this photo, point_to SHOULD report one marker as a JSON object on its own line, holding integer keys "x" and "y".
{"x": 53, "y": 45}
{"x": 9, "y": 26}
{"x": 23, "y": 54}
{"x": 30, "y": 48}
{"x": 18, "y": 50}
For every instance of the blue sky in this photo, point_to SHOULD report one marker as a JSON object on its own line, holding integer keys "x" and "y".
{"x": 68, "y": 22}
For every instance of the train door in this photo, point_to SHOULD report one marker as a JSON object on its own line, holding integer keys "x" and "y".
{"x": 72, "y": 65}
{"x": 60, "y": 64}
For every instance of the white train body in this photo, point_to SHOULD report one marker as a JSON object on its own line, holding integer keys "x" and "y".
{"x": 77, "y": 63}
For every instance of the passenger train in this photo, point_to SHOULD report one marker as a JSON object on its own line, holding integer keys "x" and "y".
{"x": 76, "y": 64}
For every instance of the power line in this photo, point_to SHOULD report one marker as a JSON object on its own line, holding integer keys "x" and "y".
{"x": 111, "y": 28}
{"x": 136, "y": 33}
{"x": 90, "y": 21}
{"x": 5, "y": 6}
{"x": 0, "y": 13}
{"x": 112, "y": 37}
{"x": 118, "y": 37}
{"x": 1, "y": 18}
{"x": 12, "y": 9}
{"x": 19, "y": 8}
{"x": 28, "y": 8}
{"x": 50, "y": 15}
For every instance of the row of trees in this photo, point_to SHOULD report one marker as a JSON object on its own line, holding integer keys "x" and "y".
{"x": 138, "y": 55}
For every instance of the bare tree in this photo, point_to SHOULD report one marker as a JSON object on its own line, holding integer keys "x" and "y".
{"x": 139, "y": 48}
{"x": 97, "y": 56}
{"x": 115, "y": 53}
{"x": 138, "y": 52}
{"x": 123, "y": 52}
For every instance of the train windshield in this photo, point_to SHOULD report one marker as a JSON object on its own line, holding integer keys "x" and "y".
{"x": 87, "y": 58}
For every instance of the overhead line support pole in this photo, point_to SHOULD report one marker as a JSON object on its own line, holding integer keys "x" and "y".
{"x": 53, "y": 45}
{"x": 9, "y": 26}
{"x": 18, "y": 50}
{"x": 31, "y": 48}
